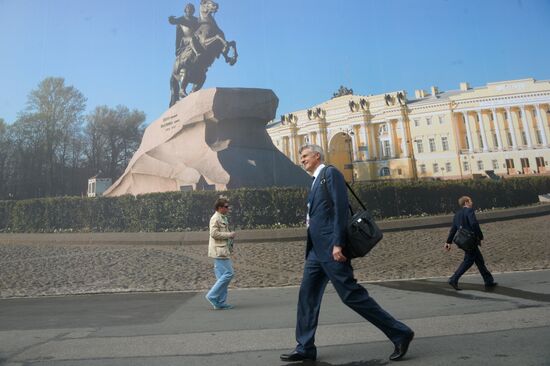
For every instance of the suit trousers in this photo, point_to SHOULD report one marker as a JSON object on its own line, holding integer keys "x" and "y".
{"x": 471, "y": 257}
{"x": 316, "y": 276}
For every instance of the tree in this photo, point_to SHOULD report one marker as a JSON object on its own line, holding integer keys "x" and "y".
{"x": 47, "y": 132}
{"x": 4, "y": 155}
{"x": 112, "y": 137}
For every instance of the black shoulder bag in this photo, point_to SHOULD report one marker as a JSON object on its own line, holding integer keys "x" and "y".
{"x": 362, "y": 232}
{"x": 465, "y": 239}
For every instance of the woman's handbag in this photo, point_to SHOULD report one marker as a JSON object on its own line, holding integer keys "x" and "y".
{"x": 465, "y": 239}
{"x": 362, "y": 232}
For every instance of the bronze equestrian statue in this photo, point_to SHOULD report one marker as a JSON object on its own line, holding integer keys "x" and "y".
{"x": 198, "y": 43}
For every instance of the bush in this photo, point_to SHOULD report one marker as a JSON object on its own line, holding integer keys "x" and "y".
{"x": 255, "y": 208}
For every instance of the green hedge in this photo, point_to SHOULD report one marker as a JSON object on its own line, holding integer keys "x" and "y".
{"x": 255, "y": 208}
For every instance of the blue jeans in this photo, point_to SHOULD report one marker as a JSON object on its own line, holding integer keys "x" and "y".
{"x": 223, "y": 269}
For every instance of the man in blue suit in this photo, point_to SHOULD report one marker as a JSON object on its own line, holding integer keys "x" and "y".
{"x": 326, "y": 261}
{"x": 466, "y": 218}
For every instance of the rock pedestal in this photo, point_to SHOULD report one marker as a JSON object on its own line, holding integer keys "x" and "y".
{"x": 212, "y": 139}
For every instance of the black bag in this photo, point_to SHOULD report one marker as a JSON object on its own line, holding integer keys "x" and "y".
{"x": 465, "y": 239}
{"x": 362, "y": 232}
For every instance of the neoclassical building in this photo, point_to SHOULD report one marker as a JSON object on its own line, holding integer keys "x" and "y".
{"x": 501, "y": 129}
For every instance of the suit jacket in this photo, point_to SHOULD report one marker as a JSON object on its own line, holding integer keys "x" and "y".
{"x": 465, "y": 217}
{"x": 327, "y": 226}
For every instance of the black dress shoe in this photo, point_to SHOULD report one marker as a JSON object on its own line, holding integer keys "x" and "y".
{"x": 296, "y": 356}
{"x": 401, "y": 348}
{"x": 490, "y": 286}
{"x": 455, "y": 285}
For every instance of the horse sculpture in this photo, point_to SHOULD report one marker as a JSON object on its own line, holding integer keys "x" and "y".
{"x": 200, "y": 51}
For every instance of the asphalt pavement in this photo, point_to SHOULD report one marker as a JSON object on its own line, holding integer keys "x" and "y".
{"x": 507, "y": 326}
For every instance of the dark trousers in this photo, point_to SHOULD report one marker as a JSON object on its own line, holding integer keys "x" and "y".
{"x": 471, "y": 257}
{"x": 316, "y": 276}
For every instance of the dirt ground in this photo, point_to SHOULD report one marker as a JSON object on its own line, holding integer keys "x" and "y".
{"x": 38, "y": 270}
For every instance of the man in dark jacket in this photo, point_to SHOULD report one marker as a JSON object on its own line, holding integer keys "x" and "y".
{"x": 466, "y": 218}
{"x": 326, "y": 261}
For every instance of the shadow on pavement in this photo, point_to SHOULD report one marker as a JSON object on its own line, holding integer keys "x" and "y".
{"x": 375, "y": 362}
{"x": 442, "y": 288}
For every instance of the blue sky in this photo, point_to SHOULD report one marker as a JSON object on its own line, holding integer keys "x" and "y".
{"x": 122, "y": 51}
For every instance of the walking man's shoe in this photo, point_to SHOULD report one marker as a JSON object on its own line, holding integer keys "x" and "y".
{"x": 214, "y": 304}
{"x": 490, "y": 286}
{"x": 295, "y": 356}
{"x": 454, "y": 285}
{"x": 401, "y": 348}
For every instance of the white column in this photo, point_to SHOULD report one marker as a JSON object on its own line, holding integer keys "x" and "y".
{"x": 372, "y": 134}
{"x": 404, "y": 145}
{"x": 511, "y": 128}
{"x": 354, "y": 145}
{"x": 366, "y": 140}
{"x": 525, "y": 125}
{"x": 392, "y": 146}
{"x": 497, "y": 128}
{"x": 468, "y": 132}
{"x": 309, "y": 138}
{"x": 293, "y": 146}
{"x": 482, "y": 131}
{"x": 540, "y": 125}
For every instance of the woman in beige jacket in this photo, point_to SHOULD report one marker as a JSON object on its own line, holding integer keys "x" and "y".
{"x": 220, "y": 247}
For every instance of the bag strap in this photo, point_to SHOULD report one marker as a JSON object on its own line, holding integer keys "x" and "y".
{"x": 356, "y": 197}
{"x": 323, "y": 183}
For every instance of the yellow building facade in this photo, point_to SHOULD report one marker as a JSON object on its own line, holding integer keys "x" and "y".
{"x": 501, "y": 129}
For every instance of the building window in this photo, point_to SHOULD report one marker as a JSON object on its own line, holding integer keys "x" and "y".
{"x": 432, "y": 145}
{"x": 387, "y": 148}
{"x": 448, "y": 167}
{"x": 495, "y": 164}
{"x": 416, "y": 123}
{"x": 466, "y": 166}
{"x": 399, "y": 171}
{"x": 523, "y": 138}
{"x": 480, "y": 165}
{"x": 385, "y": 172}
{"x": 429, "y": 121}
{"x": 495, "y": 139}
{"x": 481, "y": 142}
{"x": 441, "y": 120}
{"x": 524, "y": 162}
{"x": 445, "y": 143}
{"x": 538, "y": 136}
{"x": 436, "y": 168}
{"x": 419, "y": 146}
{"x": 423, "y": 168}
{"x": 509, "y": 138}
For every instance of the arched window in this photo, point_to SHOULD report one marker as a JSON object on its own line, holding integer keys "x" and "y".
{"x": 385, "y": 172}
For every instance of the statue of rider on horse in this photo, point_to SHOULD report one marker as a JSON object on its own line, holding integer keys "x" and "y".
{"x": 199, "y": 42}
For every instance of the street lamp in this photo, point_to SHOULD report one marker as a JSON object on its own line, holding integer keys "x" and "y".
{"x": 348, "y": 140}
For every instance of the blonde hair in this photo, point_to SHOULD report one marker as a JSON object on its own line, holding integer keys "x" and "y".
{"x": 462, "y": 200}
